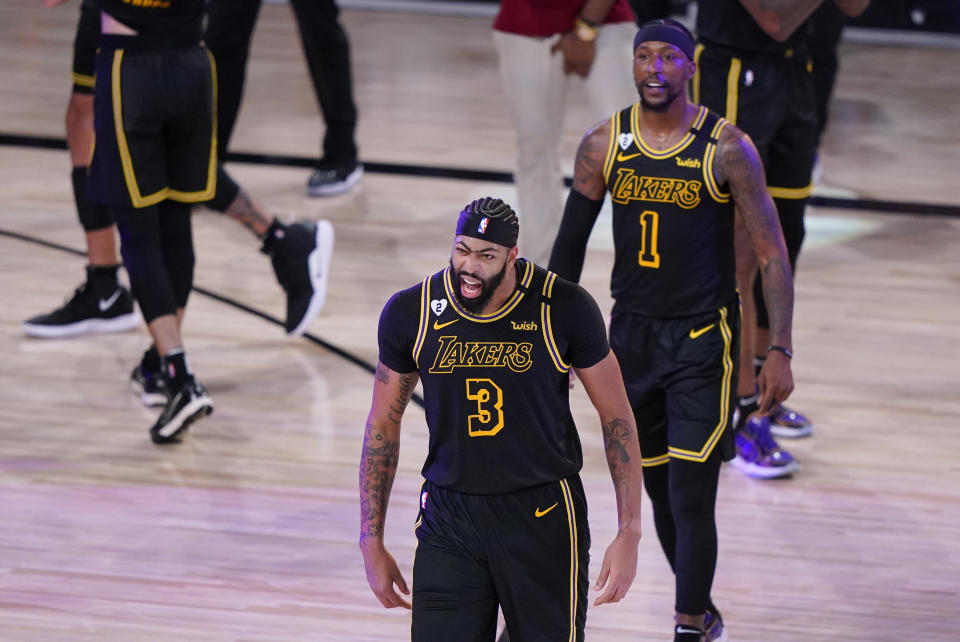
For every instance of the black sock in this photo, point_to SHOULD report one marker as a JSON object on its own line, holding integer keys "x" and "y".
{"x": 274, "y": 234}
{"x": 176, "y": 369}
{"x": 102, "y": 278}
{"x": 686, "y": 633}
{"x": 746, "y": 406}
{"x": 151, "y": 360}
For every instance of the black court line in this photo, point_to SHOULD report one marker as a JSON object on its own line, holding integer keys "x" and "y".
{"x": 340, "y": 352}
{"x": 491, "y": 176}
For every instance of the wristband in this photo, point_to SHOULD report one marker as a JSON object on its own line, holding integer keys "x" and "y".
{"x": 586, "y": 30}
{"x": 781, "y": 349}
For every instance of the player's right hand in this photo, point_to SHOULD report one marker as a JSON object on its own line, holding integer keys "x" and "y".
{"x": 383, "y": 574}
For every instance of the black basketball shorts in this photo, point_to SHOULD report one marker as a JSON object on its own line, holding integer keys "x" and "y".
{"x": 770, "y": 96}
{"x": 681, "y": 377}
{"x": 527, "y": 551}
{"x": 154, "y": 114}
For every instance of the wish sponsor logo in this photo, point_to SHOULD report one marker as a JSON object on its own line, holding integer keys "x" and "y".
{"x": 688, "y": 162}
{"x": 524, "y": 325}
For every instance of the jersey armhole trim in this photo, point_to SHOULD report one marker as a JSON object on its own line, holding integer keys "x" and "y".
{"x": 424, "y": 319}
{"x": 709, "y": 178}
{"x": 611, "y": 147}
{"x": 547, "y": 326}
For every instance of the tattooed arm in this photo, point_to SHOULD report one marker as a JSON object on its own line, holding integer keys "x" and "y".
{"x": 740, "y": 167}
{"x": 378, "y": 467}
{"x": 583, "y": 204}
{"x": 604, "y": 384}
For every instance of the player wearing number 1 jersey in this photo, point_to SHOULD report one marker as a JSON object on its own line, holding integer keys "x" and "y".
{"x": 678, "y": 175}
{"x": 503, "y": 517}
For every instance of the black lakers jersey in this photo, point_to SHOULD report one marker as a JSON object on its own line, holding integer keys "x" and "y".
{"x": 728, "y": 23}
{"x": 496, "y": 386}
{"x": 148, "y": 17}
{"x": 672, "y": 224}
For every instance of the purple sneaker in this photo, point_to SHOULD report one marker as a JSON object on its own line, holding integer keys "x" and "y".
{"x": 758, "y": 454}
{"x": 788, "y": 423}
{"x": 713, "y": 628}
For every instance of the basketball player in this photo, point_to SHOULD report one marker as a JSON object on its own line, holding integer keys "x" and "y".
{"x": 300, "y": 251}
{"x": 754, "y": 67}
{"x": 678, "y": 176}
{"x": 502, "y": 511}
{"x": 155, "y": 156}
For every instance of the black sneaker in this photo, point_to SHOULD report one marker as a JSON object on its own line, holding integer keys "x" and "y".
{"x": 301, "y": 261}
{"x": 86, "y": 312}
{"x": 330, "y": 179}
{"x": 151, "y": 386}
{"x": 185, "y": 405}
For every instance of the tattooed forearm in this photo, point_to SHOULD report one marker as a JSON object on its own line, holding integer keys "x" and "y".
{"x": 778, "y": 295}
{"x": 378, "y": 467}
{"x": 245, "y": 211}
{"x": 399, "y": 404}
{"x": 383, "y": 375}
{"x": 616, "y": 432}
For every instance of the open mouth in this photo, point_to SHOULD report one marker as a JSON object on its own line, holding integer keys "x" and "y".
{"x": 655, "y": 86}
{"x": 470, "y": 287}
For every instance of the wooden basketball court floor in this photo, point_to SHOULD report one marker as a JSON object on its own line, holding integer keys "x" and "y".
{"x": 247, "y": 531}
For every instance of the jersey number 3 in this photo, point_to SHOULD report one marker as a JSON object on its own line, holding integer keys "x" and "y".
{"x": 488, "y": 419}
{"x": 649, "y": 230}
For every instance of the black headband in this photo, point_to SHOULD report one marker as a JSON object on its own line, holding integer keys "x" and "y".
{"x": 480, "y": 226}
{"x": 665, "y": 31}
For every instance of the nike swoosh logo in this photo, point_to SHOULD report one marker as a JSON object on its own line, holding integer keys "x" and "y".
{"x": 104, "y": 304}
{"x": 621, "y": 157}
{"x": 696, "y": 333}
{"x": 541, "y": 513}
{"x": 437, "y": 325}
{"x": 683, "y": 629}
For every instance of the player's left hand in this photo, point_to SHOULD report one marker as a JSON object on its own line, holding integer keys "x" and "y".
{"x": 775, "y": 381}
{"x": 618, "y": 569}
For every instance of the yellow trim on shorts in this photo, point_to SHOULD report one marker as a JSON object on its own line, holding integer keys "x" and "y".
{"x": 725, "y": 388}
{"x": 695, "y": 82}
{"x": 733, "y": 84}
{"x": 795, "y": 193}
{"x": 83, "y": 80}
{"x": 574, "y": 557}
{"x": 129, "y": 176}
{"x": 650, "y": 462}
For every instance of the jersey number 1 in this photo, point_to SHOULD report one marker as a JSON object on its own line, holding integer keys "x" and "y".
{"x": 488, "y": 419}
{"x": 649, "y": 230}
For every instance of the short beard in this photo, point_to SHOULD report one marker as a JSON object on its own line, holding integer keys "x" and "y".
{"x": 487, "y": 288}
{"x": 660, "y": 108}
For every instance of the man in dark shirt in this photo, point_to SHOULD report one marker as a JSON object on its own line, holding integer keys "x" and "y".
{"x": 502, "y": 511}
{"x": 679, "y": 176}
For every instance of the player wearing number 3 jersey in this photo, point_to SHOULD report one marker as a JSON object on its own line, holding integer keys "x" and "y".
{"x": 679, "y": 176}
{"x": 503, "y": 518}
